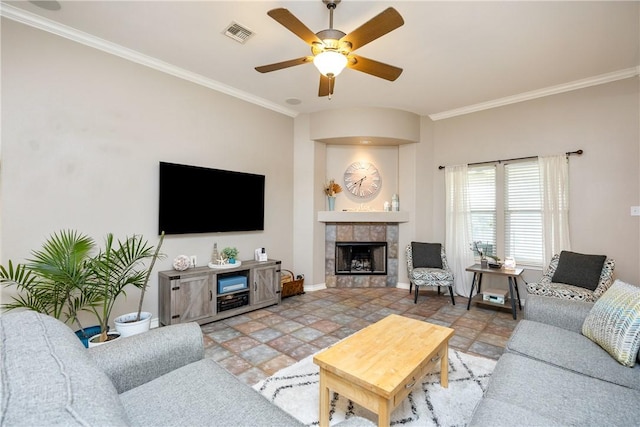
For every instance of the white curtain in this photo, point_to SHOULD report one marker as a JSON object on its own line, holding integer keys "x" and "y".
{"x": 554, "y": 190}
{"x": 458, "y": 228}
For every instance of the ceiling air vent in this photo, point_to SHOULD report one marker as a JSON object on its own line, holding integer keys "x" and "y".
{"x": 238, "y": 32}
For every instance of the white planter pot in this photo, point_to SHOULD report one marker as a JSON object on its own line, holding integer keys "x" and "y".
{"x": 93, "y": 341}
{"x": 127, "y": 325}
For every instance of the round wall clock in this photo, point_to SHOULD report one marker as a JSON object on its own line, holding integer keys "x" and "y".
{"x": 362, "y": 179}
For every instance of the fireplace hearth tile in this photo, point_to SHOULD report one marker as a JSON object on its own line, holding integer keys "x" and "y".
{"x": 378, "y": 281}
{"x": 331, "y": 282}
{"x": 344, "y": 233}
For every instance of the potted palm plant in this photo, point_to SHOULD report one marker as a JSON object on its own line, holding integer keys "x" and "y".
{"x": 53, "y": 280}
{"x": 116, "y": 267}
{"x": 139, "y": 321}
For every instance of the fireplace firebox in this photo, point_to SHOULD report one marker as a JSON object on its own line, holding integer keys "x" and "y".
{"x": 365, "y": 258}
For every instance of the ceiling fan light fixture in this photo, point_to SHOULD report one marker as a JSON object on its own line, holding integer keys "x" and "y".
{"x": 332, "y": 49}
{"x": 330, "y": 63}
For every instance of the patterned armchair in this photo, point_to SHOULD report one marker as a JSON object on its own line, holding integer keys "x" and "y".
{"x": 425, "y": 271}
{"x": 547, "y": 287}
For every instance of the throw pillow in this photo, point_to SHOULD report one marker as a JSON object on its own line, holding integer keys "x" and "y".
{"x": 426, "y": 255}
{"x": 579, "y": 269}
{"x": 614, "y": 322}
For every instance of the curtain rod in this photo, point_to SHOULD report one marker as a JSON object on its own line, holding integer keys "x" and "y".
{"x": 568, "y": 153}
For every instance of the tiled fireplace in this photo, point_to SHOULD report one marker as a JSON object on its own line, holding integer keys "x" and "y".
{"x": 367, "y": 243}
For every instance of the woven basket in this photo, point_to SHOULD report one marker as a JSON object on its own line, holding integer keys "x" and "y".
{"x": 290, "y": 285}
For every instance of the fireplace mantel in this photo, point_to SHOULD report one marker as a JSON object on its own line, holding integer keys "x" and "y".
{"x": 363, "y": 216}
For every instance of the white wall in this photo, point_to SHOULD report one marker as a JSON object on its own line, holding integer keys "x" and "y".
{"x": 339, "y": 157}
{"x": 604, "y": 121}
{"x": 83, "y": 132}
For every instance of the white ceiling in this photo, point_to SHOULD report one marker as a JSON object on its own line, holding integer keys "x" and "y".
{"x": 457, "y": 56}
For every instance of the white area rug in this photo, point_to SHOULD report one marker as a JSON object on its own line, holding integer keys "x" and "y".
{"x": 295, "y": 389}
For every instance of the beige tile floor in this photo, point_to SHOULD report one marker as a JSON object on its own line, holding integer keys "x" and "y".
{"x": 254, "y": 345}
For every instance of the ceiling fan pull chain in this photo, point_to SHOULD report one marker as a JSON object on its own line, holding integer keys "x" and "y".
{"x": 332, "y": 81}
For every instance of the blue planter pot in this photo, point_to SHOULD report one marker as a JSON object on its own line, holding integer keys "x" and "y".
{"x": 86, "y": 333}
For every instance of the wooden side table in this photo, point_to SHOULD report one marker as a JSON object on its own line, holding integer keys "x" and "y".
{"x": 512, "y": 276}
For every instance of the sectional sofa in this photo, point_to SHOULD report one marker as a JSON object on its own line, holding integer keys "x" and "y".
{"x": 158, "y": 378}
{"x": 551, "y": 374}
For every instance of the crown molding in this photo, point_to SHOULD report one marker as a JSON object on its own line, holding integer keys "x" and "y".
{"x": 35, "y": 21}
{"x": 552, "y": 90}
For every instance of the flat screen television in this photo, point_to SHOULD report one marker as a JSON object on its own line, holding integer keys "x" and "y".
{"x": 195, "y": 199}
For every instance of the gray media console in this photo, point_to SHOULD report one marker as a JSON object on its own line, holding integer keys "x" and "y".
{"x": 204, "y": 294}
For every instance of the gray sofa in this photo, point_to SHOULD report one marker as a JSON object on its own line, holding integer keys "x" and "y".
{"x": 158, "y": 378}
{"x": 550, "y": 374}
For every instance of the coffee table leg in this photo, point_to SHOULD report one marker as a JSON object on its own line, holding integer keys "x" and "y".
{"x": 384, "y": 413}
{"x": 444, "y": 367}
{"x": 324, "y": 400}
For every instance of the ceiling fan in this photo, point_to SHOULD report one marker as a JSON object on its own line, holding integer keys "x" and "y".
{"x": 332, "y": 50}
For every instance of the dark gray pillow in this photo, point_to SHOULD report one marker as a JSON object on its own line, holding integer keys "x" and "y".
{"x": 426, "y": 255}
{"x": 579, "y": 269}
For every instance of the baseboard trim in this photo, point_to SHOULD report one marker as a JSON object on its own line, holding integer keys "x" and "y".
{"x": 321, "y": 286}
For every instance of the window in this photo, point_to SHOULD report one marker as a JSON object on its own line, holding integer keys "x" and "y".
{"x": 506, "y": 212}
{"x": 482, "y": 203}
{"x": 523, "y": 213}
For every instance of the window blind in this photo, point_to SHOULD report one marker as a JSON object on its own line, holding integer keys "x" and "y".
{"x": 523, "y": 213}
{"x": 482, "y": 204}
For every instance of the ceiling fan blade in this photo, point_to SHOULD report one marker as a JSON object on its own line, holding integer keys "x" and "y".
{"x": 284, "y": 64}
{"x": 375, "y": 68}
{"x": 378, "y": 26}
{"x": 326, "y": 86}
{"x": 293, "y": 24}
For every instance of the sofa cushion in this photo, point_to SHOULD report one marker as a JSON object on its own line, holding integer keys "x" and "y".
{"x": 510, "y": 415}
{"x": 49, "y": 379}
{"x": 213, "y": 397}
{"x": 555, "y": 394}
{"x": 614, "y": 322}
{"x": 571, "y": 351}
{"x": 579, "y": 269}
{"x": 426, "y": 255}
{"x": 566, "y": 314}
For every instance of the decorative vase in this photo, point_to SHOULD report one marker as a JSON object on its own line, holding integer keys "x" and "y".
{"x": 332, "y": 202}
{"x": 232, "y": 260}
{"x": 484, "y": 263}
{"x": 127, "y": 324}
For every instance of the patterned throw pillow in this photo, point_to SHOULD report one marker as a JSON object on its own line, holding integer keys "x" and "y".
{"x": 614, "y": 322}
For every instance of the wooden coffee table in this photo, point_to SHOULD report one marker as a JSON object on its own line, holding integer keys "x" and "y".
{"x": 378, "y": 366}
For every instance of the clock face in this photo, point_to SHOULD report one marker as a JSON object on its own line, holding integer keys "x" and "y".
{"x": 362, "y": 179}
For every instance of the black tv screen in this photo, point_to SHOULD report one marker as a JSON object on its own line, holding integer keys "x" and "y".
{"x": 195, "y": 199}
